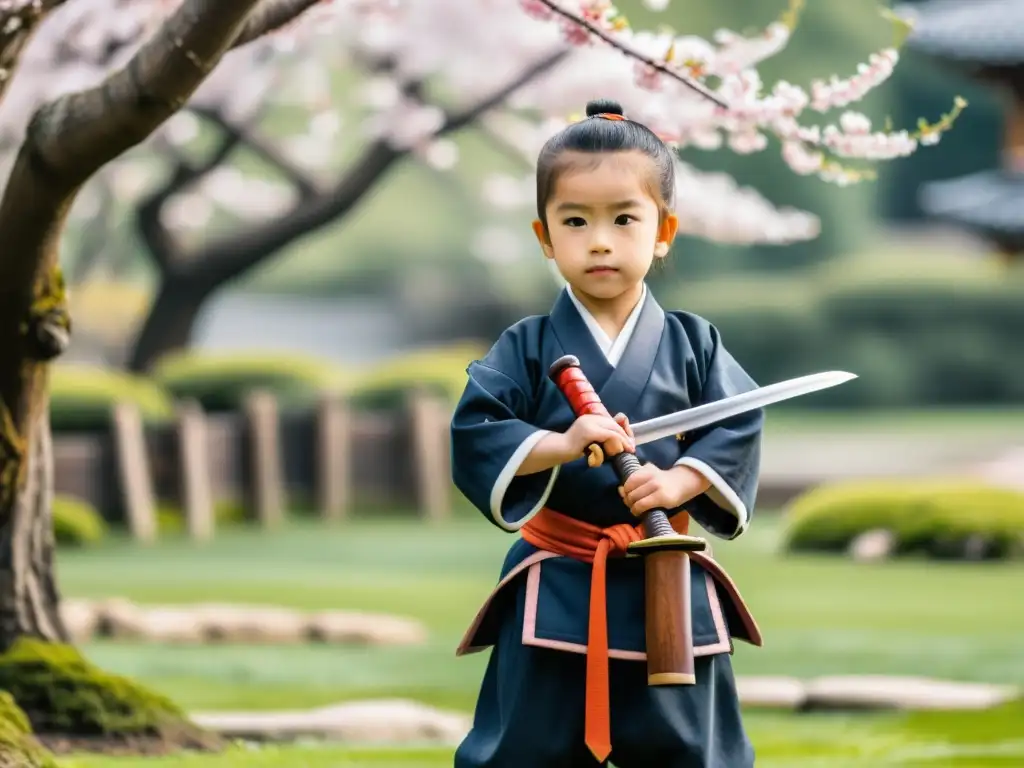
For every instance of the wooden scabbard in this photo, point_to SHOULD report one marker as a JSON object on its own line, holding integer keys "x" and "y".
{"x": 668, "y": 621}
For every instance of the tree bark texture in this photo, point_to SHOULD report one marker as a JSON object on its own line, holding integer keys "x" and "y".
{"x": 29, "y": 599}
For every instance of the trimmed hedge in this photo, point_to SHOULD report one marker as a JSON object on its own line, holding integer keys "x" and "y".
{"x": 222, "y": 382}
{"x": 440, "y": 370}
{"x": 925, "y": 517}
{"x": 76, "y": 523}
{"x": 82, "y": 397}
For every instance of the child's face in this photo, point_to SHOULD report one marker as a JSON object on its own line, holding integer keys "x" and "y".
{"x": 604, "y": 226}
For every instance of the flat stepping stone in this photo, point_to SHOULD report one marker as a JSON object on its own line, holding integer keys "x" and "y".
{"x": 207, "y": 623}
{"x": 906, "y": 693}
{"x": 869, "y": 692}
{"x": 771, "y": 692}
{"x": 400, "y": 721}
{"x": 385, "y": 721}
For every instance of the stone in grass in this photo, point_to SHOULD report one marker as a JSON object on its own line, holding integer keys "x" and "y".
{"x": 385, "y": 721}
{"x": 902, "y": 693}
{"x": 768, "y": 692}
{"x": 354, "y": 627}
{"x": 73, "y": 705}
{"x": 18, "y": 747}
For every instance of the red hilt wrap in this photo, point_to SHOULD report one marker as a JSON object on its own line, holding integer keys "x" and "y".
{"x": 577, "y": 389}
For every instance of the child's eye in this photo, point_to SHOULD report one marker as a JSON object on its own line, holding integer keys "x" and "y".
{"x": 574, "y": 221}
{"x": 624, "y": 218}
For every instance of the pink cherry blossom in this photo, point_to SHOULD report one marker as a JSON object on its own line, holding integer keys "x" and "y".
{"x": 466, "y": 51}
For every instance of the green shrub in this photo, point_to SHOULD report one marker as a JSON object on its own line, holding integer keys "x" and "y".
{"x": 222, "y": 382}
{"x": 76, "y": 523}
{"x": 62, "y": 693}
{"x": 18, "y": 747}
{"x": 930, "y": 517}
{"x": 82, "y": 397}
{"x": 440, "y": 370}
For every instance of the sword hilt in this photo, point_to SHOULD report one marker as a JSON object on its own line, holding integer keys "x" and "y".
{"x": 568, "y": 376}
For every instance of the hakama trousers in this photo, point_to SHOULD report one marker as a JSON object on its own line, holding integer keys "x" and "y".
{"x": 530, "y": 711}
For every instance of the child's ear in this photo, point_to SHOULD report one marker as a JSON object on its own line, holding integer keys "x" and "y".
{"x": 666, "y": 234}
{"x": 542, "y": 237}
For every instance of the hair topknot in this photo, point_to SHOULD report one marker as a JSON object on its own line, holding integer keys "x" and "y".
{"x": 599, "y": 135}
{"x": 604, "y": 106}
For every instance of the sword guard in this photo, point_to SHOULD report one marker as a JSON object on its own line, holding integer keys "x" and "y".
{"x": 667, "y": 543}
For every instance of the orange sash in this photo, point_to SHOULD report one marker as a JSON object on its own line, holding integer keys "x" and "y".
{"x": 555, "y": 532}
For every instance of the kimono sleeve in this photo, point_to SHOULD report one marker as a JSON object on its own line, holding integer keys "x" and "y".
{"x": 728, "y": 454}
{"x": 490, "y": 439}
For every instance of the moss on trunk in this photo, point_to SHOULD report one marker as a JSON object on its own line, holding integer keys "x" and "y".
{"x": 18, "y": 747}
{"x": 73, "y": 705}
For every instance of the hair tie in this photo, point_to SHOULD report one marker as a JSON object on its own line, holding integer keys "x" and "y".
{"x": 610, "y": 116}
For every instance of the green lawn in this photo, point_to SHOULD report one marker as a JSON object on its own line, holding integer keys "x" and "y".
{"x": 934, "y": 740}
{"x": 819, "y": 616}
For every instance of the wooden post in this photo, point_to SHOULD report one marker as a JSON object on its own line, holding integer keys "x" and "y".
{"x": 266, "y": 474}
{"x": 196, "y": 488}
{"x": 133, "y": 471}
{"x": 431, "y": 458}
{"x": 194, "y": 461}
{"x": 333, "y": 457}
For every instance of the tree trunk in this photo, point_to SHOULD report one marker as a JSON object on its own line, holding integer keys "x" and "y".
{"x": 169, "y": 322}
{"x": 29, "y": 600}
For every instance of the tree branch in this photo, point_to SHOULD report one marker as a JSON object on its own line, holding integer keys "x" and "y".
{"x": 271, "y": 16}
{"x": 264, "y": 149}
{"x": 592, "y": 29}
{"x": 159, "y": 241}
{"x": 77, "y": 134}
{"x": 226, "y": 258}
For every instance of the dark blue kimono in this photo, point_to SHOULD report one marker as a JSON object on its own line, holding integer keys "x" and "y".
{"x": 531, "y": 706}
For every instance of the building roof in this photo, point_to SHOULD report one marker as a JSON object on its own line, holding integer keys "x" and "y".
{"x": 989, "y": 201}
{"x": 977, "y": 31}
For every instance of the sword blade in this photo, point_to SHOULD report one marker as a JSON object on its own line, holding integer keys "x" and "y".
{"x": 719, "y": 410}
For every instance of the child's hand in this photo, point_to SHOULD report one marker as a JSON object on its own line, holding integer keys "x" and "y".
{"x": 651, "y": 487}
{"x": 613, "y": 435}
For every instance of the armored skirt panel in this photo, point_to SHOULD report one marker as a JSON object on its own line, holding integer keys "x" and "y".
{"x": 555, "y": 593}
{"x": 532, "y": 703}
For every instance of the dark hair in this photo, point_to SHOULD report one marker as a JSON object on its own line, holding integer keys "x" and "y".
{"x": 598, "y": 134}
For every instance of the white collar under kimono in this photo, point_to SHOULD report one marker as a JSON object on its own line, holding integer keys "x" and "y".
{"x": 612, "y": 349}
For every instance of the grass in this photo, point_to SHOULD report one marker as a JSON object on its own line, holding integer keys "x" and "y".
{"x": 933, "y": 740}
{"x": 819, "y": 616}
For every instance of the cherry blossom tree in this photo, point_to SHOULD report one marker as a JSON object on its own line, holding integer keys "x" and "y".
{"x": 149, "y": 59}
{"x": 429, "y": 70}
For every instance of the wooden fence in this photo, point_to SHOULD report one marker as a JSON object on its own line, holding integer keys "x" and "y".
{"x": 265, "y": 460}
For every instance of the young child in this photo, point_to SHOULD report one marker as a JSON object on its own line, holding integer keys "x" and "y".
{"x": 604, "y": 200}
